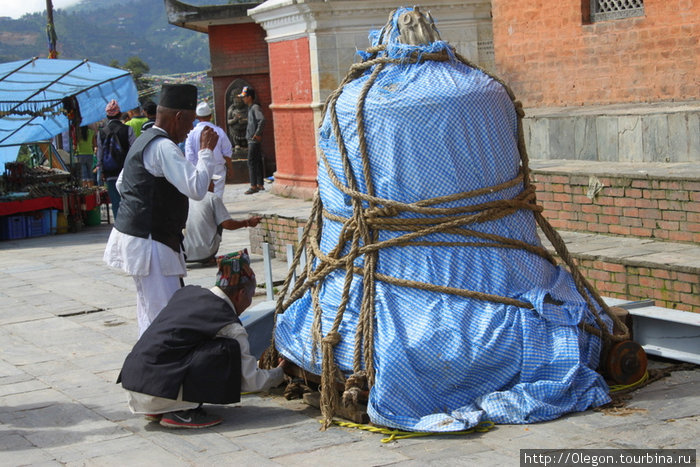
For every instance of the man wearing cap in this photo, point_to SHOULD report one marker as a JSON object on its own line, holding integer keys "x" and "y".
{"x": 256, "y": 123}
{"x": 197, "y": 351}
{"x": 222, "y": 151}
{"x": 155, "y": 185}
{"x": 126, "y": 138}
{"x": 206, "y": 220}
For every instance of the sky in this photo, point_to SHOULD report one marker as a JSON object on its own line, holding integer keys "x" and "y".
{"x": 17, "y": 8}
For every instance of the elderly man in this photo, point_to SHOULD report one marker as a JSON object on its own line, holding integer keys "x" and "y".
{"x": 196, "y": 351}
{"x": 222, "y": 151}
{"x": 206, "y": 221}
{"x": 155, "y": 185}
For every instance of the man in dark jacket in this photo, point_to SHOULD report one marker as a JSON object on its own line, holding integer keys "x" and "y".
{"x": 197, "y": 351}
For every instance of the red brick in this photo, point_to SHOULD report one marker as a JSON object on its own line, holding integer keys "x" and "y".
{"x": 641, "y": 184}
{"x": 667, "y": 205}
{"x": 592, "y": 208}
{"x": 680, "y": 236}
{"x": 633, "y": 192}
{"x": 649, "y": 214}
{"x": 668, "y": 225}
{"x": 555, "y": 187}
{"x": 619, "y": 229}
{"x": 613, "y": 220}
{"x": 598, "y": 228}
{"x": 631, "y": 221}
{"x": 616, "y": 192}
{"x": 630, "y": 212}
{"x": 626, "y": 202}
{"x": 692, "y": 226}
{"x": 670, "y": 184}
{"x": 563, "y": 197}
{"x": 598, "y": 275}
{"x": 677, "y": 195}
{"x": 691, "y": 185}
{"x": 582, "y": 216}
{"x": 612, "y": 267}
{"x": 640, "y": 232}
{"x": 655, "y": 194}
{"x": 673, "y": 215}
{"x": 682, "y": 287}
{"x": 584, "y": 200}
{"x": 544, "y": 196}
{"x": 689, "y": 299}
{"x": 645, "y": 203}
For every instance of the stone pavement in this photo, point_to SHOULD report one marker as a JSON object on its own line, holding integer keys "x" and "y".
{"x": 67, "y": 322}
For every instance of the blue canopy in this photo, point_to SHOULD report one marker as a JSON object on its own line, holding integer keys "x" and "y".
{"x": 32, "y": 93}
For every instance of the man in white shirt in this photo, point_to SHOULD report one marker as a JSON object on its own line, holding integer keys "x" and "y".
{"x": 222, "y": 151}
{"x": 197, "y": 351}
{"x": 155, "y": 185}
{"x": 206, "y": 220}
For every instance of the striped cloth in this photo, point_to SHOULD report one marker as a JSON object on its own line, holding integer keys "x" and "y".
{"x": 443, "y": 362}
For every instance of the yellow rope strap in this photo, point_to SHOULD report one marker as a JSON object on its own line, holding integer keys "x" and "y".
{"x": 622, "y": 387}
{"x": 481, "y": 427}
{"x": 371, "y": 213}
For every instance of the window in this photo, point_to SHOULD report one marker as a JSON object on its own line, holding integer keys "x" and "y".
{"x": 603, "y": 10}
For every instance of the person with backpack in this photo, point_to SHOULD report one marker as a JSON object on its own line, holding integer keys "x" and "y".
{"x": 155, "y": 184}
{"x": 113, "y": 142}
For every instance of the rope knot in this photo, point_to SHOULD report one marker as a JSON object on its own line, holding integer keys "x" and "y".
{"x": 332, "y": 338}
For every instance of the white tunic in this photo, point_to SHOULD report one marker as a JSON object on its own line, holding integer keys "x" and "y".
{"x": 161, "y": 158}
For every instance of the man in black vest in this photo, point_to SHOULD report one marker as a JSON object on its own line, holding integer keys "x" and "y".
{"x": 197, "y": 351}
{"x": 155, "y": 185}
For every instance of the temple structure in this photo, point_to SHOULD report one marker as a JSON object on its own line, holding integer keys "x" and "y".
{"x": 296, "y": 52}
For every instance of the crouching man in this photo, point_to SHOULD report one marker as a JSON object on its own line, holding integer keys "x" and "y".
{"x": 197, "y": 351}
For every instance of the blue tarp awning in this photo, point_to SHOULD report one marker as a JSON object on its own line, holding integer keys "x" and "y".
{"x": 32, "y": 91}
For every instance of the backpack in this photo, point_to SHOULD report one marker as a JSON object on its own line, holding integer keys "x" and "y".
{"x": 113, "y": 154}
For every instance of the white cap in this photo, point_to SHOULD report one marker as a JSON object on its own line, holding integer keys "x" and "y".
{"x": 203, "y": 109}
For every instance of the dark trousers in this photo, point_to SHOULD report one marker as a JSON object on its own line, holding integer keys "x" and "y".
{"x": 114, "y": 197}
{"x": 255, "y": 163}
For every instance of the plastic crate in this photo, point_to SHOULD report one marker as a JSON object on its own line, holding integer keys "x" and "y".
{"x": 34, "y": 224}
{"x": 12, "y": 227}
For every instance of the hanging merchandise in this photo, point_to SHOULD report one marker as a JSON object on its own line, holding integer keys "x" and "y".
{"x": 425, "y": 279}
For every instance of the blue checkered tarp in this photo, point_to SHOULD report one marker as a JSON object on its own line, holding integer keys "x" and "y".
{"x": 443, "y": 362}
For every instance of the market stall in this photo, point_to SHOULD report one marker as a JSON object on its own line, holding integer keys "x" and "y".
{"x": 39, "y": 99}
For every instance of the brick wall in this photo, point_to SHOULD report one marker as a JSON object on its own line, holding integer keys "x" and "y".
{"x": 668, "y": 288}
{"x": 237, "y": 47}
{"x": 278, "y": 231}
{"x": 550, "y": 57}
{"x": 667, "y": 210}
{"x": 290, "y": 71}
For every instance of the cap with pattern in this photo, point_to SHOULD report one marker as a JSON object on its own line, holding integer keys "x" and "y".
{"x": 234, "y": 269}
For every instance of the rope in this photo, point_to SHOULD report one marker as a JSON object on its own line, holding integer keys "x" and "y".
{"x": 481, "y": 427}
{"x": 370, "y": 214}
{"x": 623, "y": 387}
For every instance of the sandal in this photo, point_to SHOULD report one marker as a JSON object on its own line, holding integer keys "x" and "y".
{"x": 251, "y": 191}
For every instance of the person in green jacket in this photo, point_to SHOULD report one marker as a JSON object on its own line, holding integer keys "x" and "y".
{"x": 136, "y": 120}
{"x": 85, "y": 150}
